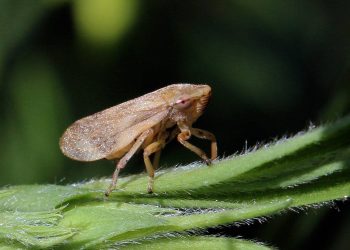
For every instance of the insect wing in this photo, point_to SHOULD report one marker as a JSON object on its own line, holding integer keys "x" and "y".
{"x": 101, "y": 134}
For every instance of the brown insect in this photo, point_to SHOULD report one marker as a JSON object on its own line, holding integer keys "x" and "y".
{"x": 148, "y": 122}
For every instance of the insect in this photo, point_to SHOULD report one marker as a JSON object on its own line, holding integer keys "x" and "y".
{"x": 148, "y": 122}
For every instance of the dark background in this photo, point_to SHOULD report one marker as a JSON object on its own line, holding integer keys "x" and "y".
{"x": 275, "y": 67}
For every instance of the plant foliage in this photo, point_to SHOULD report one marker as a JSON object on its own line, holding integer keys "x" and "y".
{"x": 309, "y": 169}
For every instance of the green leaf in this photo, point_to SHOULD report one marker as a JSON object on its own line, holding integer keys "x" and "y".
{"x": 38, "y": 229}
{"x": 287, "y": 162}
{"x": 37, "y": 197}
{"x": 197, "y": 243}
{"x": 311, "y": 168}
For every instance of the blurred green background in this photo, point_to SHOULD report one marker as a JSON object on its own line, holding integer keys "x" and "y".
{"x": 274, "y": 66}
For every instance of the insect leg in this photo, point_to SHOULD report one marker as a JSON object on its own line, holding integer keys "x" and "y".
{"x": 163, "y": 138}
{"x": 183, "y": 137}
{"x": 203, "y": 134}
{"x": 173, "y": 135}
{"x": 124, "y": 160}
{"x": 150, "y": 149}
{"x": 156, "y": 158}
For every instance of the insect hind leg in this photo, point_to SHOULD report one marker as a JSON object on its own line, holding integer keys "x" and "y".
{"x": 156, "y": 159}
{"x": 154, "y": 147}
{"x": 124, "y": 160}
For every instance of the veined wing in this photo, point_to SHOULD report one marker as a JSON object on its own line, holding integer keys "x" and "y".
{"x": 101, "y": 134}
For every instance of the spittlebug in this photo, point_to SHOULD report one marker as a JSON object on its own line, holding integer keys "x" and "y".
{"x": 148, "y": 122}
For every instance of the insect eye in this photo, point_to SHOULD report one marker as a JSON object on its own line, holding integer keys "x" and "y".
{"x": 183, "y": 103}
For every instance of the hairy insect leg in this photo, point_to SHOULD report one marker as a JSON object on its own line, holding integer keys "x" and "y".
{"x": 203, "y": 134}
{"x": 183, "y": 137}
{"x": 124, "y": 160}
{"x": 150, "y": 149}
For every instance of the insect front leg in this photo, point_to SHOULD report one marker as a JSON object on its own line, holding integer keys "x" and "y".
{"x": 150, "y": 149}
{"x": 124, "y": 160}
{"x": 184, "y": 135}
{"x": 203, "y": 134}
